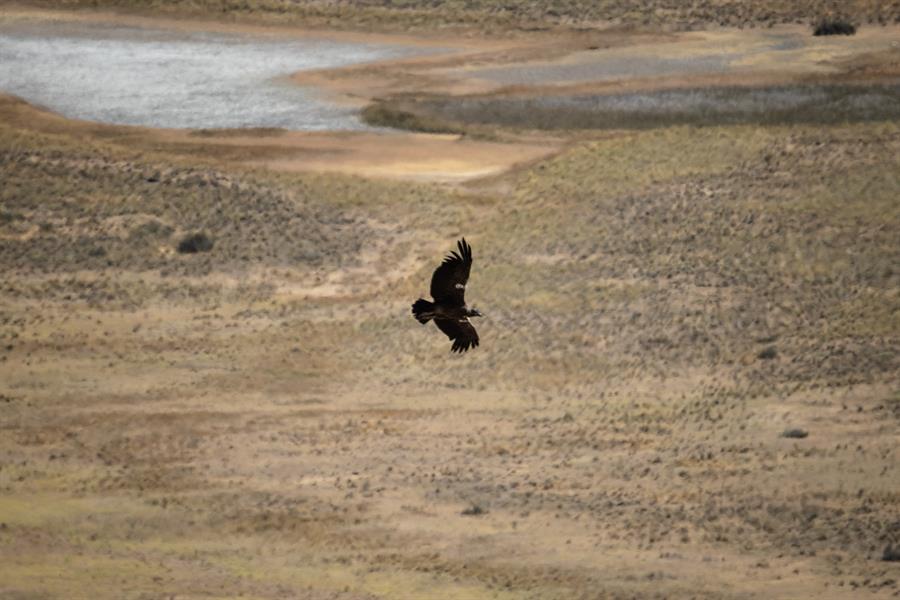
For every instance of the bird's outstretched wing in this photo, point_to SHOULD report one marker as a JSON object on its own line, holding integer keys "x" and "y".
{"x": 460, "y": 331}
{"x": 448, "y": 284}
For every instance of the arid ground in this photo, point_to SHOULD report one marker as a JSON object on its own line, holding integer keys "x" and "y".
{"x": 688, "y": 384}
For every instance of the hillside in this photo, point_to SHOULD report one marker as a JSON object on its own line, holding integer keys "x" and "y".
{"x": 662, "y": 306}
{"x": 688, "y": 383}
{"x": 511, "y": 14}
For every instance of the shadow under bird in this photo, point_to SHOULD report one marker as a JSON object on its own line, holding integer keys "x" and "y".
{"x": 449, "y": 310}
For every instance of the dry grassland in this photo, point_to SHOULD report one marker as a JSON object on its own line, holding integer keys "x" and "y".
{"x": 266, "y": 420}
{"x": 501, "y": 16}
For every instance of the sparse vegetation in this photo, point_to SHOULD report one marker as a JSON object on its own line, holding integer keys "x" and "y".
{"x": 194, "y": 243}
{"x": 122, "y": 213}
{"x": 891, "y": 554}
{"x": 819, "y": 104}
{"x": 795, "y": 433}
{"x": 834, "y": 26}
{"x": 494, "y": 15}
{"x": 154, "y": 229}
{"x": 767, "y": 353}
{"x": 7, "y": 217}
{"x": 664, "y": 306}
{"x": 630, "y": 283}
{"x": 473, "y": 511}
{"x": 380, "y": 114}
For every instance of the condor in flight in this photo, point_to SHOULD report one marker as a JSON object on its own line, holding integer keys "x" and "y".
{"x": 449, "y": 310}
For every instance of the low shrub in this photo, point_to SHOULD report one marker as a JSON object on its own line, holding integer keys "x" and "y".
{"x": 382, "y": 115}
{"x": 194, "y": 243}
{"x": 834, "y": 27}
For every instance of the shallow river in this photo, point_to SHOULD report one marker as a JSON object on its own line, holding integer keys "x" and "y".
{"x": 152, "y": 77}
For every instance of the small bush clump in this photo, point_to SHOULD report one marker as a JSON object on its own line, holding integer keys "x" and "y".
{"x": 194, "y": 243}
{"x": 151, "y": 229}
{"x": 834, "y": 27}
{"x": 382, "y": 115}
{"x": 768, "y": 353}
{"x": 8, "y": 217}
{"x": 891, "y": 554}
{"x": 795, "y": 433}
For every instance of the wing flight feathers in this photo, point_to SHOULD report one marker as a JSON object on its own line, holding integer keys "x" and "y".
{"x": 448, "y": 288}
{"x": 461, "y": 332}
{"x": 448, "y": 284}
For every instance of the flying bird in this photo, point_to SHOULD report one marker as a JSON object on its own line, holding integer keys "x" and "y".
{"x": 449, "y": 310}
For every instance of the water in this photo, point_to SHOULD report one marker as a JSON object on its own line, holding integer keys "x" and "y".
{"x": 157, "y": 78}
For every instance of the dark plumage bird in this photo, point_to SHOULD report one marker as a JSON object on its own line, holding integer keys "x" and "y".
{"x": 449, "y": 310}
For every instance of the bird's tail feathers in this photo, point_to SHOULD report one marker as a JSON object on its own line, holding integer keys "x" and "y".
{"x": 423, "y": 310}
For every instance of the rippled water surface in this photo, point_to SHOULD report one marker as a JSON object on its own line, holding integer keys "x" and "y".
{"x": 157, "y": 78}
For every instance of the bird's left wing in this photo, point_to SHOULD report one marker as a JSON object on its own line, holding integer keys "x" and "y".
{"x": 448, "y": 284}
{"x": 460, "y": 331}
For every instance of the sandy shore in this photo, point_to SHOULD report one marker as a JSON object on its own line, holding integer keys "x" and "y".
{"x": 560, "y": 63}
{"x": 391, "y": 154}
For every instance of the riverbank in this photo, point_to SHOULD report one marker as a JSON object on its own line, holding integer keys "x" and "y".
{"x": 611, "y": 80}
{"x": 476, "y": 92}
{"x": 443, "y": 158}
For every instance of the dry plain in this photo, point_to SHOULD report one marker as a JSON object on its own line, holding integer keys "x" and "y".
{"x": 687, "y": 385}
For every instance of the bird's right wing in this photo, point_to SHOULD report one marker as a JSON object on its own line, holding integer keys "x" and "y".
{"x": 448, "y": 284}
{"x": 460, "y": 331}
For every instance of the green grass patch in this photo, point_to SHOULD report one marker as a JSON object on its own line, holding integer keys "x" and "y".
{"x": 711, "y": 106}
{"x": 381, "y": 114}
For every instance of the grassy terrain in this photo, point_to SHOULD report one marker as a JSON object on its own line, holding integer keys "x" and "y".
{"x": 266, "y": 419}
{"x": 777, "y": 105}
{"x": 493, "y": 14}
